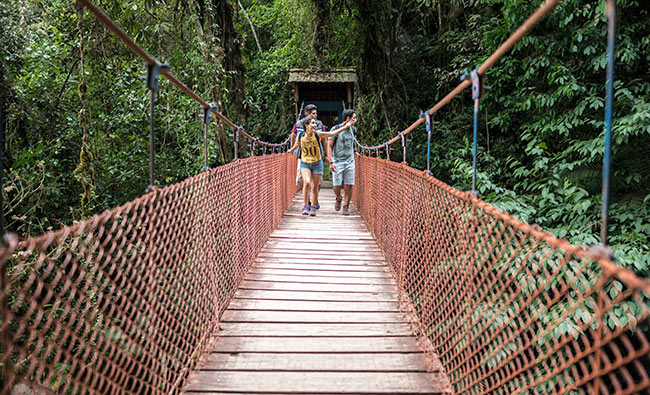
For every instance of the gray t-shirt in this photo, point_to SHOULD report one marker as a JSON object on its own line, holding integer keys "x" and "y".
{"x": 343, "y": 148}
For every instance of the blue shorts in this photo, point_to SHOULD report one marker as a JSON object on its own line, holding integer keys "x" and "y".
{"x": 315, "y": 168}
{"x": 344, "y": 174}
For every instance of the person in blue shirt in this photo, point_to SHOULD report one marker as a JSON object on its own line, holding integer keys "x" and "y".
{"x": 341, "y": 149}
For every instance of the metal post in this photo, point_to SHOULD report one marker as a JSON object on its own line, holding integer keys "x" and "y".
{"x": 403, "y": 148}
{"x": 206, "y": 127}
{"x": 235, "y": 138}
{"x": 427, "y": 119}
{"x": 387, "y": 151}
{"x": 153, "y": 76}
{"x": 252, "y": 147}
{"x": 609, "y": 114}
{"x": 477, "y": 92}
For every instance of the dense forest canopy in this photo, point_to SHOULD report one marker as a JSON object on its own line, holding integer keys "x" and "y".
{"x": 76, "y": 109}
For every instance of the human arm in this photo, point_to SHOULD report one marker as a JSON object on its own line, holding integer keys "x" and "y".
{"x": 337, "y": 131}
{"x": 330, "y": 144}
{"x": 295, "y": 144}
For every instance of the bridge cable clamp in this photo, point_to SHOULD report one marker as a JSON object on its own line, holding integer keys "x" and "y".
{"x": 476, "y": 79}
{"x": 153, "y": 74}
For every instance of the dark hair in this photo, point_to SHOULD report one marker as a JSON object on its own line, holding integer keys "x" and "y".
{"x": 306, "y": 121}
{"x": 309, "y": 108}
{"x": 347, "y": 114}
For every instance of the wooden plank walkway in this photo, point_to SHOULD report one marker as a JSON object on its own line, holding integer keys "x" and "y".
{"x": 316, "y": 314}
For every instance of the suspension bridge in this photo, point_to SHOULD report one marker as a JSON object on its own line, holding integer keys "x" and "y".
{"x": 216, "y": 284}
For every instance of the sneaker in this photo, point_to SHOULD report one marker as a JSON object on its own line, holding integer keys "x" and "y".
{"x": 317, "y": 206}
{"x": 305, "y": 209}
{"x": 312, "y": 212}
{"x": 337, "y": 205}
{"x": 346, "y": 210}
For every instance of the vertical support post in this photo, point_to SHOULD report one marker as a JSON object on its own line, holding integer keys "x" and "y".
{"x": 477, "y": 92}
{"x": 252, "y": 147}
{"x": 403, "y": 148}
{"x": 235, "y": 139}
{"x": 609, "y": 114}
{"x": 427, "y": 119}
{"x": 152, "y": 142}
{"x": 377, "y": 151}
{"x": 153, "y": 77}
{"x": 387, "y": 151}
{"x": 206, "y": 128}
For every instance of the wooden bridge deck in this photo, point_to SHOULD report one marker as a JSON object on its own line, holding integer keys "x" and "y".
{"x": 316, "y": 314}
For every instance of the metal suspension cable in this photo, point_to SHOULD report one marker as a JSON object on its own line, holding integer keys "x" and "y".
{"x": 507, "y": 45}
{"x": 151, "y": 61}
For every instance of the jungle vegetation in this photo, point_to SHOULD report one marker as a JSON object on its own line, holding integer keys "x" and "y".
{"x": 75, "y": 108}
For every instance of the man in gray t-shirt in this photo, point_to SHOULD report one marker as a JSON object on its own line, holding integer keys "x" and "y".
{"x": 341, "y": 156}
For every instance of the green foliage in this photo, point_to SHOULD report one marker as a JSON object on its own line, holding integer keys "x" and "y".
{"x": 41, "y": 63}
{"x": 541, "y": 120}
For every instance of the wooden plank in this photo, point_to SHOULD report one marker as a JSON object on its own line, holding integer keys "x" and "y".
{"x": 318, "y": 287}
{"x": 335, "y": 266}
{"x": 309, "y": 330}
{"x": 302, "y": 305}
{"x": 307, "y": 247}
{"x": 267, "y": 270}
{"x": 317, "y": 313}
{"x": 379, "y": 262}
{"x": 405, "y": 362}
{"x": 318, "y": 255}
{"x": 322, "y": 239}
{"x": 351, "y": 297}
{"x": 316, "y": 344}
{"x": 315, "y": 382}
{"x": 357, "y": 280}
{"x": 324, "y": 317}
{"x": 328, "y": 235}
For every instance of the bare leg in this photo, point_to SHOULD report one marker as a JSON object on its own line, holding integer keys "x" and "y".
{"x": 337, "y": 192}
{"x": 348, "y": 194}
{"x": 306, "y": 185}
{"x": 315, "y": 178}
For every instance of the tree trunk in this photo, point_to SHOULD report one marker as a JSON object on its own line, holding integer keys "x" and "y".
{"x": 322, "y": 31}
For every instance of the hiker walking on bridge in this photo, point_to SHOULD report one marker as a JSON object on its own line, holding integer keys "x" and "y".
{"x": 341, "y": 156}
{"x": 310, "y": 111}
{"x": 311, "y": 156}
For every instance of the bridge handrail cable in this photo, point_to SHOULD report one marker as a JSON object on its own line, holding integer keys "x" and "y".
{"x": 507, "y": 45}
{"x": 151, "y": 61}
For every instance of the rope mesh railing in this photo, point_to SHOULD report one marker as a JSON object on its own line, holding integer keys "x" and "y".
{"x": 127, "y": 300}
{"x": 505, "y": 307}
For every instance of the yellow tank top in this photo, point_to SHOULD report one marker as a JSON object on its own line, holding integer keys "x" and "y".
{"x": 309, "y": 147}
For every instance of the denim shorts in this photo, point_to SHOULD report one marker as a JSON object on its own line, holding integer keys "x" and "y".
{"x": 315, "y": 168}
{"x": 344, "y": 174}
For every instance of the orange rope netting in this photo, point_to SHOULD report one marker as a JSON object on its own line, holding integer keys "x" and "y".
{"x": 505, "y": 307}
{"x": 127, "y": 300}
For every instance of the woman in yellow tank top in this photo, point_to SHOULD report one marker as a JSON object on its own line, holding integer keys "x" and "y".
{"x": 311, "y": 156}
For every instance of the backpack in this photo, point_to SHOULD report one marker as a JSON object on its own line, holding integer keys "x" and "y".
{"x": 299, "y": 150}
